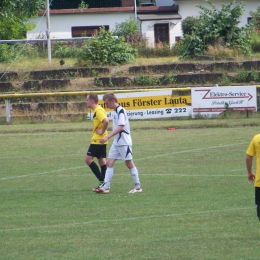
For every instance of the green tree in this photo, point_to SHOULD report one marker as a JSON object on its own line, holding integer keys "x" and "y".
{"x": 256, "y": 19}
{"x": 213, "y": 24}
{"x": 128, "y": 27}
{"x": 83, "y": 5}
{"x": 14, "y": 17}
{"x": 104, "y": 49}
{"x": 129, "y": 30}
{"x": 188, "y": 24}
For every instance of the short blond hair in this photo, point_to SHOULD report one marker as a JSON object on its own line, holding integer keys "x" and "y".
{"x": 110, "y": 96}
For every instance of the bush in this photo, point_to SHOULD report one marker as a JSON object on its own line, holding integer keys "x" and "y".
{"x": 254, "y": 75}
{"x": 219, "y": 51}
{"x": 256, "y": 19}
{"x": 225, "y": 80}
{"x": 170, "y": 78}
{"x": 143, "y": 80}
{"x": 64, "y": 50}
{"x": 241, "y": 76}
{"x": 126, "y": 28}
{"x": 188, "y": 24}
{"x": 136, "y": 40}
{"x": 129, "y": 30}
{"x": 177, "y": 48}
{"x": 8, "y": 52}
{"x": 160, "y": 50}
{"x": 104, "y": 49}
{"x": 255, "y": 41}
{"x": 213, "y": 24}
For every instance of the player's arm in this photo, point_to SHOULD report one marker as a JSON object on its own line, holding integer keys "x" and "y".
{"x": 104, "y": 128}
{"x": 119, "y": 129}
{"x": 249, "y": 163}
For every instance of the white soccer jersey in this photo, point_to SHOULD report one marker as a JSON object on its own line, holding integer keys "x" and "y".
{"x": 120, "y": 118}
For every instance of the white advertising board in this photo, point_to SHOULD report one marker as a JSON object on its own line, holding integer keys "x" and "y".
{"x": 211, "y": 101}
{"x": 151, "y": 104}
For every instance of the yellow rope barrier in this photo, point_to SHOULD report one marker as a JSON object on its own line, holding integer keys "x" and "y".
{"x": 82, "y": 93}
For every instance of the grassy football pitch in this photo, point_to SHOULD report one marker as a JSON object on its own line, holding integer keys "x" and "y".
{"x": 196, "y": 201}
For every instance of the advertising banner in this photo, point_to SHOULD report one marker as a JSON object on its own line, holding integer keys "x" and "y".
{"x": 151, "y": 104}
{"x": 210, "y": 102}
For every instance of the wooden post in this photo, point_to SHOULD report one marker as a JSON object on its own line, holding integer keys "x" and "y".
{"x": 8, "y": 111}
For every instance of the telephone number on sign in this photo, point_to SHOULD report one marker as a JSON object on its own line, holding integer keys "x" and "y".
{"x": 178, "y": 110}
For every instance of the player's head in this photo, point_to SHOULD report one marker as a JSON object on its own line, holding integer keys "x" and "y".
{"x": 110, "y": 96}
{"x": 91, "y": 100}
{"x": 110, "y": 100}
{"x": 93, "y": 97}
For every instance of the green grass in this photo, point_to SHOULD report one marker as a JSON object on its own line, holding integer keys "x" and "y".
{"x": 65, "y": 125}
{"x": 38, "y": 63}
{"x": 196, "y": 201}
{"x": 25, "y": 64}
{"x": 35, "y": 63}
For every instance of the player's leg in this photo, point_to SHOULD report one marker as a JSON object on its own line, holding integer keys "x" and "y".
{"x": 112, "y": 157}
{"x": 103, "y": 166}
{"x": 109, "y": 171}
{"x": 108, "y": 177}
{"x": 135, "y": 176}
{"x": 92, "y": 152}
{"x": 102, "y": 159}
{"x": 257, "y": 201}
{"x": 94, "y": 168}
{"x": 258, "y": 211}
{"x": 127, "y": 155}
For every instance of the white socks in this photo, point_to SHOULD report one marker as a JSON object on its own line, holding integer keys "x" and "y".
{"x": 108, "y": 177}
{"x": 110, "y": 173}
{"x": 135, "y": 177}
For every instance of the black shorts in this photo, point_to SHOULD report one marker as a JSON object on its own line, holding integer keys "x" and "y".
{"x": 257, "y": 195}
{"x": 97, "y": 150}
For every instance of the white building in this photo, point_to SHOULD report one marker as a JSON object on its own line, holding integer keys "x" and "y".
{"x": 160, "y": 20}
{"x": 188, "y": 7}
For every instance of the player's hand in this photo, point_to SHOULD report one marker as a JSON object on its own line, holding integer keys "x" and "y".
{"x": 99, "y": 131}
{"x": 251, "y": 177}
{"x": 103, "y": 140}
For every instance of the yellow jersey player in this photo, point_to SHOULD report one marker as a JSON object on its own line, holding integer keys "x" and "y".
{"x": 96, "y": 148}
{"x": 254, "y": 150}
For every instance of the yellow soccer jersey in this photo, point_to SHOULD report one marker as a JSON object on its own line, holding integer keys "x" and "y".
{"x": 98, "y": 117}
{"x": 252, "y": 150}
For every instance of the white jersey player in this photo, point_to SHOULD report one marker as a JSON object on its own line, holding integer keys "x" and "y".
{"x": 121, "y": 148}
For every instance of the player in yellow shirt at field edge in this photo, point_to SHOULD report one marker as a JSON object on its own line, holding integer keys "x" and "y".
{"x": 96, "y": 148}
{"x": 254, "y": 150}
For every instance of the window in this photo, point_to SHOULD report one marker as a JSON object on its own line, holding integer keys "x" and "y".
{"x": 86, "y": 31}
{"x": 147, "y": 2}
{"x": 73, "y": 4}
{"x": 177, "y": 38}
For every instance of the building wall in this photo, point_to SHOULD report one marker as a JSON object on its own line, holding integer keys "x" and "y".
{"x": 164, "y": 2}
{"x": 148, "y": 32}
{"x": 188, "y": 7}
{"x": 60, "y": 25}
